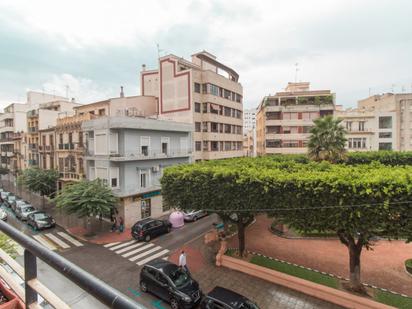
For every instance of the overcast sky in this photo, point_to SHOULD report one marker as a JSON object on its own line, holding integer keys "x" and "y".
{"x": 96, "y": 46}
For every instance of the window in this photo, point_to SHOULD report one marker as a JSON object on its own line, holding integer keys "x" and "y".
{"x": 385, "y": 134}
{"x": 306, "y": 129}
{"x": 61, "y": 138}
{"x": 198, "y": 146}
{"x": 357, "y": 143}
{"x": 204, "y": 107}
{"x": 214, "y": 146}
{"x": 227, "y": 128}
{"x": 204, "y": 88}
{"x": 197, "y": 126}
{"x": 102, "y": 112}
{"x": 385, "y": 146}
{"x": 146, "y": 208}
{"x": 226, "y": 94}
{"x": 214, "y": 89}
{"x": 273, "y": 143}
{"x": 205, "y": 146}
{"x": 349, "y": 125}
{"x": 361, "y": 125}
{"x": 227, "y": 111}
{"x": 143, "y": 179}
{"x": 145, "y": 150}
{"x": 214, "y": 127}
{"x": 204, "y": 124}
{"x": 164, "y": 148}
{"x": 290, "y": 116}
{"x": 197, "y": 87}
{"x": 197, "y": 107}
{"x": 290, "y": 144}
{"x": 114, "y": 182}
{"x": 215, "y": 109}
{"x": 385, "y": 122}
{"x": 144, "y": 145}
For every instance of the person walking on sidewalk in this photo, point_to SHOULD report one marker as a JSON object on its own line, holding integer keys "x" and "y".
{"x": 182, "y": 261}
{"x": 114, "y": 225}
{"x": 121, "y": 224}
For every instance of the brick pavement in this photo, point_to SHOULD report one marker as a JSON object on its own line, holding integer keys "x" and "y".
{"x": 383, "y": 267}
{"x": 200, "y": 259}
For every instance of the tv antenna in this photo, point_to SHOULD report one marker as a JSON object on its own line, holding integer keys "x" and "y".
{"x": 159, "y": 50}
{"x": 296, "y": 71}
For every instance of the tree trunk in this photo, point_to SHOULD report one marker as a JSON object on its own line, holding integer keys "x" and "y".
{"x": 89, "y": 226}
{"x": 42, "y": 202}
{"x": 241, "y": 237}
{"x": 354, "y": 268}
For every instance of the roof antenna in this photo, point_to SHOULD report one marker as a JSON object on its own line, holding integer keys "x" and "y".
{"x": 121, "y": 92}
{"x": 158, "y": 50}
{"x": 296, "y": 72}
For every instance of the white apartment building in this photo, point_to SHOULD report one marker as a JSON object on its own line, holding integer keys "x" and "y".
{"x": 249, "y": 119}
{"x": 380, "y": 122}
{"x": 203, "y": 92}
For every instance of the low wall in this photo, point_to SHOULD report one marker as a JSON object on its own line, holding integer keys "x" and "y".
{"x": 325, "y": 293}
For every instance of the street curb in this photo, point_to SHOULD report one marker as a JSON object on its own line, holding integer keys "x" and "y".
{"x": 323, "y": 273}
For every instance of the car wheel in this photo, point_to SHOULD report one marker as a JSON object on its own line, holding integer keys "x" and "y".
{"x": 147, "y": 238}
{"x": 168, "y": 229}
{"x": 194, "y": 218}
{"x": 143, "y": 286}
{"x": 36, "y": 227}
{"x": 174, "y": 304}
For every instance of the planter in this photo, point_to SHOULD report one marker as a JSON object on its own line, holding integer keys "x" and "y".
{"x": 325, "y": 293}
{"x": 13, "y": 301}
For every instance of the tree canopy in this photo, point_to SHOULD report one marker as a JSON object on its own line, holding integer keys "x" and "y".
{"x": 86, "y": 199}
{"x": 357, "y": 202}
{"x": 40, "y": 180}
{"x": 327, "y": 140}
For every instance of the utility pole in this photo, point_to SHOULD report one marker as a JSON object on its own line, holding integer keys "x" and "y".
{"x": 296, "y": 71}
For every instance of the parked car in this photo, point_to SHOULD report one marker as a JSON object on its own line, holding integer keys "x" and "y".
{"x": 23, "y": 211}
{"x": 4, "y": 195}
{"x": 223, "y": 298}
{"x": 148, "y": 228}
{"x": 9, "y": 200}
{"x": 40, "y": 220}
{"x": 193, "y": 215}
{"x": 16, "y": 203}
{"x": 3, "y": 214}
{"x": 170, "y": 283}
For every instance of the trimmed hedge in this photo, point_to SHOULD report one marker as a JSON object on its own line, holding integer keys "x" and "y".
{"x": 392, "y": 158}
{"x": 408, "y": 265}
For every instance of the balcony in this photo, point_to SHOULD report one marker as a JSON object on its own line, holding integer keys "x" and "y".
{"x": 9, "y": 153}
{"x": 23, "y": 279}
{"x": 33, "y": 163}
{"x": 33, "y": 147}
{"x": 33, "y": 113}
{"x": 151, "y": 155}
{"x": 70, "y": 176}
{"x": 33, "y": 129}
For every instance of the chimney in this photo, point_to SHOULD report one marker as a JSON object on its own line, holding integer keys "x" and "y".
{"x": 143, "y": 67}
{"x": 121, "y": 92}
{"x": 73, "y": 100}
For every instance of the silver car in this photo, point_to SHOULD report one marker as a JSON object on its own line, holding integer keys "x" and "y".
{"x": 193, "y": 215}
{"x": 23, "y": 211}
{"x": 3, "y": 214}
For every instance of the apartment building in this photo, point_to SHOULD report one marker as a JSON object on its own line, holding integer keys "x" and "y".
{"x": 249, "y": 119}
{"x": 249, "y": 143}
{"x": 69, "y": 135}
{"x": 42, "y": 119}
{"x": 129, "y": 154}
{"x": 13, "y": 126}
{"x": 203, "y": 92}
{"x": 380, "y": 122}
{"x": 284, "y": 120}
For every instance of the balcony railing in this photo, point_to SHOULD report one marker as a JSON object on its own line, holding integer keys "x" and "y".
{"x": 33, "y": 129}
{"x": 149, "y": 155}
{"x": 33, "y": 113}
{"x": 34, "y": 287}
{"x": 33, "y": 146}
{"x": 33, "y": 162}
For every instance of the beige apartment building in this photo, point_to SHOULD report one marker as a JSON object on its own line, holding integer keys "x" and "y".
{"x": 380, "y": 122}
{"x": 205, "y": 93}
{"x": 284, "y": 120}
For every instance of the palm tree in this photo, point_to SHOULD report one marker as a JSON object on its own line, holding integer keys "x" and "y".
{"x": 327, "y": 140}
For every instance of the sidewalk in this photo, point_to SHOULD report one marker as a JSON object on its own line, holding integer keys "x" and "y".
{"x": 200, "y": 261}
{"x": 101, "y": 238}
{"x": 382, "y": 267}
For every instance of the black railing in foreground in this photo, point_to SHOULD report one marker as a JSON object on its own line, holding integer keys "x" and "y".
{"x": 95, "y": 287}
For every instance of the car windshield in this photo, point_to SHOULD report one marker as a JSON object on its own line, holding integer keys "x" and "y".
{"x": 40, "y": 216}
{"x": 180, "y": 278}
{"x": 28, "y": 209}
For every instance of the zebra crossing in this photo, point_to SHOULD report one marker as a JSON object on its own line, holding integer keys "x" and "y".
{"x": 138, "y": 252}
{"x": 55, "y": 241}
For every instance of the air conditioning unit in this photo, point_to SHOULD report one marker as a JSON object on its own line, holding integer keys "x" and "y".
{"x": 155, "y": 169}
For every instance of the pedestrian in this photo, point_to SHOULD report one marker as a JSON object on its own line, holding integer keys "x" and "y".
{"x": 182, "y": 261}
{"x": 121, "y": 225}
{"x": 114, "y": 225}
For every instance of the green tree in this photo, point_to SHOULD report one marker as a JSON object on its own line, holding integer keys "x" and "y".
{"x": 7, "y": 245}
{"x": 40, "y": 181}
{"x": 87, "y": 199}
{"x": 216, "y": 191}
{"x": 327, "y": 140}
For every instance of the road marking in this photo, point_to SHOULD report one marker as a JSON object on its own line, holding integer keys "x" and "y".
{"x": 122, "y": 245}
{"x": 145, "y": 253}
{"x": 71, "y": 239}
{"x": 111, "y": 244}
{"x": 44, "y": 242}
{"x": 165, "y": 258}
{"x": 152, "y": 257}
{"x": 137, "y": 250}
{"x": 57, "y": 241}
{"x": 129, "y": 247}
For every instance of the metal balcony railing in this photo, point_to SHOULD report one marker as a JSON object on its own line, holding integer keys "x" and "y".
{"x": 33, "y": 287}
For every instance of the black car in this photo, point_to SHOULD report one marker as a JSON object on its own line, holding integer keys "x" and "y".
{"x": 149, "y": 228}
{"x": 226, "y": 299}
{"x": 40, "y": 220}
{"x": 170, "y": 283}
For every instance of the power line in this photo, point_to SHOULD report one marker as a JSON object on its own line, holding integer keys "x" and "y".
{"x": 306, "y": 208}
